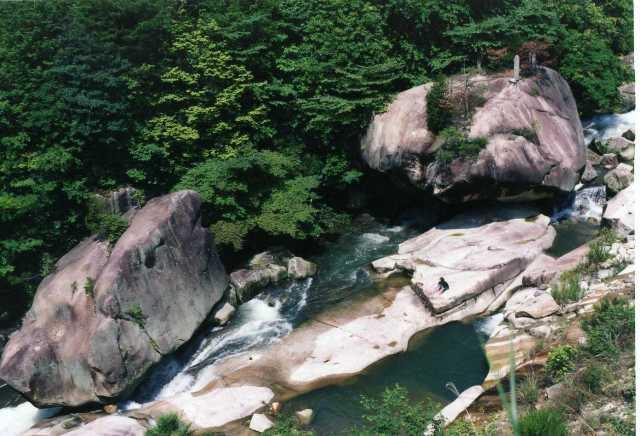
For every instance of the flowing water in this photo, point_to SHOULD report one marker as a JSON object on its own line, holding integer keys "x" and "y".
{"x": 603, "y": 127}
{"x": 343, "y": 273}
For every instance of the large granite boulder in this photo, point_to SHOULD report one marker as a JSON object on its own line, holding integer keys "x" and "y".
{"x": 619, "y": 213}
{"x": 535, "y": 143}
{"x": 108, "y": 313}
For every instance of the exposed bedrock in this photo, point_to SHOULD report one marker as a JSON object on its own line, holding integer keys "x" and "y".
{"x": 481, "y": 255}
{"x": 108, "y": 313}
{"x": 535, "y": 144}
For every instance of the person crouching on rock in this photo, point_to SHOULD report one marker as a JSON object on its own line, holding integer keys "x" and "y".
{"x": 443, "y": 285}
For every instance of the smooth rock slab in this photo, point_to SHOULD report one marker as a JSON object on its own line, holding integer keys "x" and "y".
{"x": 110, "y": 426}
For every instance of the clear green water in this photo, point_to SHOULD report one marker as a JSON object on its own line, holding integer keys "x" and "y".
{"x": 451, "y": 353}
{"x": 571, "y": 235}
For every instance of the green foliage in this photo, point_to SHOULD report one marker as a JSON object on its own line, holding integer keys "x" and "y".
{"x": 610, "y": 328}
{"x": 136, "y": 315}
{"x": 89, "y": 287}
{"x": 567, "y": 289}
{"x": 438, "y": 110}
{"x": 598, "y": 253}
{"x": 560, "y": 362}
{"x": 593, "y": 377}
{"x": 106, "y": 225}
{"x": 529, "y": 134}
{"x": 169, "y": 425}
{"x": 528, "y": 390}
{"x": 593, "y": 70}
{"x": 543, "y": 422}
{"x": 287, "y": 426}
{"x": 394, "y": 414}
{"x": 455, "y": 145}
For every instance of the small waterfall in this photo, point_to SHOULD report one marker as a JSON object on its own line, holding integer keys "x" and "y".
{"x": 18, "y": 419}
{"x": 488, "y": 325}
{"x": 603, "y": 127}
{"x": 585, "y": 205}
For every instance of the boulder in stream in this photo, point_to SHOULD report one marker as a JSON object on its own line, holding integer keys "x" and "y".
{"x": 108, "y": 313}
{"x": 619, "y": 213}
{"x": 535, "y": 144}
{"x": 619, "y": 178}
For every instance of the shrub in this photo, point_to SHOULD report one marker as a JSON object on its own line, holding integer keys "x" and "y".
{"x": 438, "y": 110}
{"x": 598, "y": 253}
{"x": 568, "y": 288}
{"x": 107, "y": 226}
{"x": 455, "y": 144}
{"x": 610, "y": 328}
{"x": 169, "y": 425}
{"x": 593, "y": 377}
{"x": 89, "y": 286}
{"x": 560, "y": 362}
{"x": 136, "y": 315}
{"x": 287, "y": 426}
{"x": 543, "y": 422}
{"x": 528, "y": 390}
{"x": 394, "y": 414}
{"x": 528, "y": 134}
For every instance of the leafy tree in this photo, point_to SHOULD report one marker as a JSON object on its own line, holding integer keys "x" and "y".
{"x": 593, "y": 71}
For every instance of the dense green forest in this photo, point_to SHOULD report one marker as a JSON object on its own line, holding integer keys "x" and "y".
{"x": 258, "y": 105}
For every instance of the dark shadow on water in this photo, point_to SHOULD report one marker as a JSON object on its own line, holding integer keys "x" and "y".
{"x": 451, "y": 353}
{"x": 571, "y": 235}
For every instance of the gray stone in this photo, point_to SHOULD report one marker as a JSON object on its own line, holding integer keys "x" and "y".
{"x": 619, "y": 213}
{"x": 609, "y": 161}
{"x": 630, "y": 134}
{"x": 299, "y": 268}
{"x": 589, "y": 174}
{"x": 274, "y": 256}
{"x": 622, "y": 147}
{"x": 555, "y": 392}
{"x": 304, "y": 417}
{"x": 619, "y": 178}
{"x": 224, "y": 314}
{"x": 260, "y": 423}
{"x": 532, "y": 303}
{"x": 107, "y": 314}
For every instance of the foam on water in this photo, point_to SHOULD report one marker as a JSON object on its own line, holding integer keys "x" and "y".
{"x": 487, "y": 326}
{"x": 603, "y": 127}
{"x": 375, "y": 238}
{"x": 18, "y": 419}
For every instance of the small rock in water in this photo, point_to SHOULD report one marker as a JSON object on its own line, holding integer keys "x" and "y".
{"x": 619, "y": 178}
{"x": 609, "y": 161}
{"x": 110, "y": 409}
{"x": 304, "y": 417}
{"x": 298, "y": 268}
{"x": 260, "y": 423}
{"x": 630, "y": 135}
{"x": 589, "y": 174}
{"x": 275, "y": 407}
{"x": 376, "y": 238}
{"x": 224, "y": 314}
